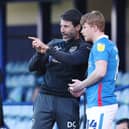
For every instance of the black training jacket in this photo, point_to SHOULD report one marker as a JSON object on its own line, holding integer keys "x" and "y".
{"x": 63, "y": 62}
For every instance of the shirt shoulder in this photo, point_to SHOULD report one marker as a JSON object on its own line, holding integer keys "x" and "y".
{"x": 54, "y": 42}
{"x": 103, "y": 44}
{"x": 86, "y": 45}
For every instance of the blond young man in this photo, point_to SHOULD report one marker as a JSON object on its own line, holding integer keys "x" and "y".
{"x": 102, "y": 70}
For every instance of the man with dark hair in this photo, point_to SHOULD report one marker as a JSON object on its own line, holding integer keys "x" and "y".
{"x": 60, "y": 61}
{"x": 122, "y": 123}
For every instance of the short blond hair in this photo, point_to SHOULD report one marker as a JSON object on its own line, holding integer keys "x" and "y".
{"x": 94, "y": 18}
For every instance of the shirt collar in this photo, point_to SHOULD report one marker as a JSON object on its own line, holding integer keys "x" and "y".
{"x": 102, "y": 36}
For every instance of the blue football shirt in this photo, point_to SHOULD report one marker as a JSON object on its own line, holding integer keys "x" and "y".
{"x": 102, "y": 92}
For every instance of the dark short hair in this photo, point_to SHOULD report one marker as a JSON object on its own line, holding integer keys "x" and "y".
{"x": 124, "y": 120}
{"x": 72, "y": 15}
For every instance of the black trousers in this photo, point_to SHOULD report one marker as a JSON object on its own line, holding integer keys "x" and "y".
{"x": 49, "y": 109}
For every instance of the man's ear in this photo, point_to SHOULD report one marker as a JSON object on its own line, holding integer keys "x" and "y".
{"x": 95, "y": 28}
{"x": 78, "y": 27}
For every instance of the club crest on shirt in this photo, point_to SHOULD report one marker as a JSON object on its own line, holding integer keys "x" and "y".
{"x": 57, "y": 47}
{"x": 100, "y": 47}
{"x": 72, "y": 49}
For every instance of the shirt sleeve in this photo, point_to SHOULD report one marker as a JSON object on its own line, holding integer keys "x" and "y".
{"x": 100, "y": 52}
{"x": 75, "y": 58}
{"x": 38, "y": 62}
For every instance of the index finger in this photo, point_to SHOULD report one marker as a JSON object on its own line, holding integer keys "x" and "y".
{"x": 33, "y": 38}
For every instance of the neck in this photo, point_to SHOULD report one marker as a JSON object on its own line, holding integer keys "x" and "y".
{"x": 98, "y": 35}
